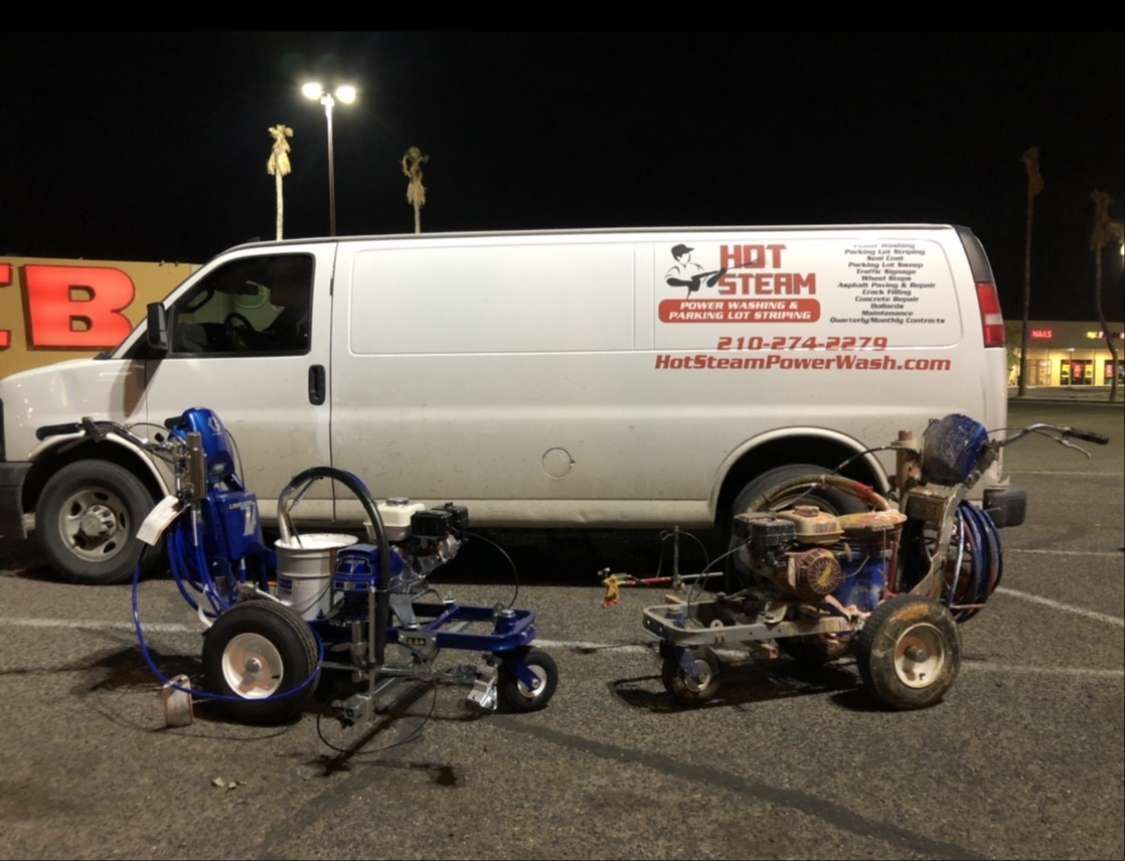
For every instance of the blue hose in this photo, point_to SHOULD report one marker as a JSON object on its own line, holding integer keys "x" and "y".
{"x": 177, "y": 565}
{"x": 975, "y": 547}
{"x": 986, "y": 560}
{"x": 209, "y": 695}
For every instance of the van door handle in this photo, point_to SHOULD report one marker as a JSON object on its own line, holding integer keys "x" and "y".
{"x": 317, "y": 379}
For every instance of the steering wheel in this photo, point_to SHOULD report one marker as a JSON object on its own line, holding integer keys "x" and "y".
{"x": 234, "y": 333}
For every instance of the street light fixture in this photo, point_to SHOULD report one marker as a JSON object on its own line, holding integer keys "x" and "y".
{"x": 346, "y": 95}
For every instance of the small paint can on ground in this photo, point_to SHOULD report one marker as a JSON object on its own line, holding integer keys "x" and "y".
{"x": 177, "y": 703}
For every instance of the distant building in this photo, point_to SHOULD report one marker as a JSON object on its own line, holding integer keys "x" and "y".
{"x": 1065, "y": 353}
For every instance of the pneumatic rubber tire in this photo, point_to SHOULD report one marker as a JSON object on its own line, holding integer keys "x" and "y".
{"x": 883, "y": 655}
{"x": 514, "y": 696}
{"x": 260, "y": 621}
{"x": 683, "y": 688}
{"x": 119, "y": 496}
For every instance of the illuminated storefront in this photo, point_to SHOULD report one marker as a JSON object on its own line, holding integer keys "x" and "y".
{"x": 1065, "y": 353}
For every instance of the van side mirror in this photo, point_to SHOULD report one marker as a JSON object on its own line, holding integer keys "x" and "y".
{"x": 157, "y": 334}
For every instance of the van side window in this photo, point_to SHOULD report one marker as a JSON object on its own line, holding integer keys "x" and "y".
{"x": 250, "y": 306}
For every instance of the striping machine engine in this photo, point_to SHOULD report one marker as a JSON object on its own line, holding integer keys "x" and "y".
{"x": 889, "y": 580}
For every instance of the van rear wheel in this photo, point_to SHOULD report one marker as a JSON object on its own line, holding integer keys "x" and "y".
{"x": 86, "y": 521}
{"x": 826, "y": 498}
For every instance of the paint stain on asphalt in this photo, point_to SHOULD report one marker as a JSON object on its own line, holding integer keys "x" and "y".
{"x": 112, "y": 670}
{"x": 125, "y": 668}
{"x": 445, "y": 775}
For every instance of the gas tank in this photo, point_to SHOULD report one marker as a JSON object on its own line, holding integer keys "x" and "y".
{"x": 813, "y": 525}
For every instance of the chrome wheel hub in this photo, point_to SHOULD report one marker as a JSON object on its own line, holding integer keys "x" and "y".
{"x": 97, "y": 522}
{"x": 252, "y": 666}
{"x": 919, "y": 656}
{"x": 703, "y": 671}
{"x": 540, "y": 685}
{"x": 94, "y": 524}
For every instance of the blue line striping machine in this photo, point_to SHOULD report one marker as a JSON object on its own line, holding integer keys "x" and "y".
{"x": 338, "y": 603}
{"x": 855, "y": 572}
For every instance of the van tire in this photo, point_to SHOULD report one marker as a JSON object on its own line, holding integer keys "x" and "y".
{"x": 86, "y": 522}
{"x": 827, "y": 498}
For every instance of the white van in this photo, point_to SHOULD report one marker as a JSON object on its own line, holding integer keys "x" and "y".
{"x": 570, "y": 378}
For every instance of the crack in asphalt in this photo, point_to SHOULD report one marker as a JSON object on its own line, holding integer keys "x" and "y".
{"x": 327, "y": 802}
{"x": 828, "y": 811}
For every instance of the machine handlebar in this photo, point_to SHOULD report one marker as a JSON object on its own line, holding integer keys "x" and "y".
{"x": 1062, "y": 434}
{"x": 1088, "y": 436}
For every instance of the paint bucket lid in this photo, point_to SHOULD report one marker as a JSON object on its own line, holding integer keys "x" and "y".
{"x": 315, "y": 542}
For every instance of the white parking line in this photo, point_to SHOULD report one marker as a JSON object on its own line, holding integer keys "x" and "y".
{"x": 586, "y": 646}
{"x": 580, "y": 645}
{"x": 1057, "y": 605}
{"x": 983, "y": 666}
{"x": 1090, "y": 472}
{"x": 1107, "y": 554}
{"x": 993, "y": 667}
{"x": 95, "y": 625}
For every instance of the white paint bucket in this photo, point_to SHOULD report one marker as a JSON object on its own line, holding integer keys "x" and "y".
{"x": 305, "y": 564}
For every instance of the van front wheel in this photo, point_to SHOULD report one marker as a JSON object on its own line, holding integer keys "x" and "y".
{"x": 86, "y": 519}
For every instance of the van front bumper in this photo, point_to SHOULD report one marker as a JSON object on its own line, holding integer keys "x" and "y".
{"x": 12, "y": 476}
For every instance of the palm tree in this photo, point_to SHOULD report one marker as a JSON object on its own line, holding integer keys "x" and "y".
{"x": 412, "y": 163}
{"x": 1106, "y": 232}
{"x": 1034, "y": 186}
{"x": 278, "y": 166}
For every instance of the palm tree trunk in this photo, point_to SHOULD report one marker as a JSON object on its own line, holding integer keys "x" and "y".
{"x": 1026, "y": 295}
{"x": 417, "y": 218}
{"x": 280, "y": 204}
{"x": 1105, "y": 327}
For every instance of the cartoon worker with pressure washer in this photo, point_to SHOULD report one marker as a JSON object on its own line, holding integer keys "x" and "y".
{"x": 686, "y": 273}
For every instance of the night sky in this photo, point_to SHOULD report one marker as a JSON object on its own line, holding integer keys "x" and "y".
{"x": 154, "y": 147}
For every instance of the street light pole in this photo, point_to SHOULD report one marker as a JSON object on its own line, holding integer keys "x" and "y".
{"x": 346, "y": 94}
{"x": 329, "y": 103}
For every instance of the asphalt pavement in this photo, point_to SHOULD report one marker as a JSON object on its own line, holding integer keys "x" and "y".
{"x": 1024, "y": 758}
